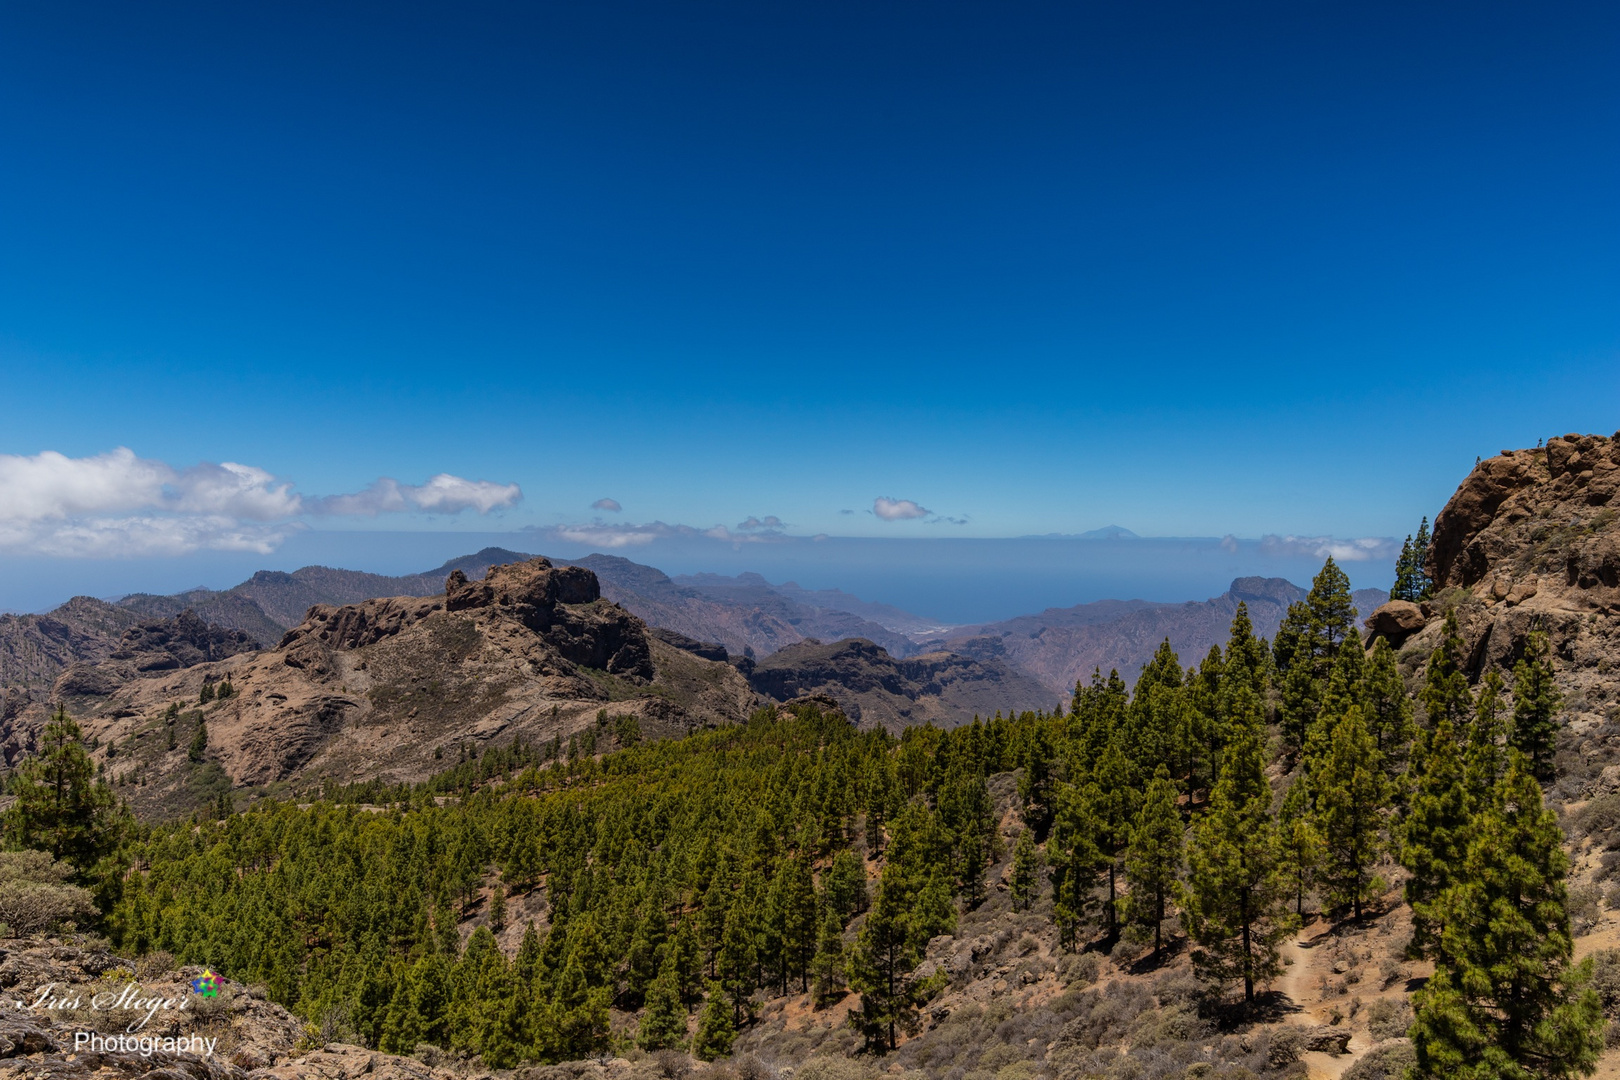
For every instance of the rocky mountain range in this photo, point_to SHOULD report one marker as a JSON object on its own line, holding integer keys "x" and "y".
{"x": 1062, "y": 646}
{"x": 381, "y": 689}
{"x": 880, "y": 663}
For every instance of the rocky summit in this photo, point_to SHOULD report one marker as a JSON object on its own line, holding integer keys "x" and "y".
{"x": 1530, "y": 540}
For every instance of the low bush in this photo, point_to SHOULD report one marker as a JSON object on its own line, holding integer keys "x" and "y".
{"x": 35, "y": 894}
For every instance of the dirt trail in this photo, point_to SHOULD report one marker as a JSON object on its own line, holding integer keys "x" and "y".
{"x": 1300, "y": 981}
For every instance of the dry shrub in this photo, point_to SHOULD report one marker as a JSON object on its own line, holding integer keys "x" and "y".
{"x": 1388, "y": 1061}
{"x": 1606, "y": 980}
{"x": 35, "y": 894}
{"x": 154, "y": 964}
{"x": 1388, "y": 1018}
{"x": 835, "y": 1068}
{"x": 1584, "y": 912}
{"x": 1599, "y": 819}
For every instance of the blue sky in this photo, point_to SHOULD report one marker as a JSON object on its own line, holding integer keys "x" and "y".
{"x": 1196, "y": 269}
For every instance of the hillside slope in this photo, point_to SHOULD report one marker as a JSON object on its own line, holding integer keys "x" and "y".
{"x": 874, "y": 688}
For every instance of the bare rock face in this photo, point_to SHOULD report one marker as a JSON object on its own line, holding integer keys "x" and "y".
{"x": 552, "y": 601}
{"x": 1531, "y": 540}
{"x": 1535, "y": 521}
{"x": 182, "y": 641}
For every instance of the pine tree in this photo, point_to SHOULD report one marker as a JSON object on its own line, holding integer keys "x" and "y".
{"x": 1112, "y": 809}
{"x": 845, "y": 886}
{"x": 1299, "y": 843}
{"x": 1035, "y": 780}
{"x": 792, "y": 915}
{"x": 579, "y": 1011}
{"x": 1420, "y": 554}
{"x": 1300, "y": 705}
{"x": 881, "y": 963}
{"x": 199, "y": 742}
{"x": 1484, "y": 759}
{"x": 1153, "y": 863}
{"x": 1387, "y": 708}
{"x": 830, "y": 963}
{"x": 737, "y": 961}
{"x": 716, "y": 1030}
{"x": 1236, "y": 905}
{"x": 1157, "y": 724}
{"x": 663, "y": 1020}
{"x": 1434, "y": 835}
{"x": 61, "y": 807}
{"x": 1307, "y": 643}
{"x": 1026, "y": 869}
{"x": 1536, "y": 701}
{"x": 1412, "y": 581}
{"x": 1247, "y": 663}
{"x": 1352, "y": 794}
{"x": 497, "y": 908}
{"x": 1505, "y": 1000}
{"x": 1407, "y": 586}
{"x": 1076, "y": 861}
{"x": 1445, "y": 687}
{"x": 1209, "y": 731}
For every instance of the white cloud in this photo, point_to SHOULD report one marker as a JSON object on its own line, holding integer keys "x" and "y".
{"x": 149, "y": 535}
{"x": 51, "y": 486}
{"x": 897, "y": 509}
{"x": 609, "y": 535}
{"x": 232, "y": 490}
{"x": 446, "y": 494}
{"x": 1361, "y": 549}
{"x": 116, "y": 503}
{"x": 610, "y": 505}
{"x": 442, "y": 494}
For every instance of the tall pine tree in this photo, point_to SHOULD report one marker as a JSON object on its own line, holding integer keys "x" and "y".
{"x": 1153, "y": 864}
{"x": 1352, "y": 794}
{"x": 1536, "y": 701}
{"x": 1434, "y": 834}
{"x": 1505, "y": 1000}
{"x": 1237, "y": 897}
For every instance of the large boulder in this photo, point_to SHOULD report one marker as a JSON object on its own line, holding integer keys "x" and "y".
{"x": 1396, "y": 620}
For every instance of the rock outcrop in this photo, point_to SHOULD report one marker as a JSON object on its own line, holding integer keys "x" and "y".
{"x": 1530, "y": 539}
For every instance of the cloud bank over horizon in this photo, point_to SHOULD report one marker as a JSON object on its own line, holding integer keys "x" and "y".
{"x": 117, "y": 504}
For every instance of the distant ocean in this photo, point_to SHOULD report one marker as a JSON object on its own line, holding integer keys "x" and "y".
{"x": 954, "y": 581}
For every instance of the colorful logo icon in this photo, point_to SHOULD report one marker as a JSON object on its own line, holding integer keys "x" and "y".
{"x": 206, "y": 984}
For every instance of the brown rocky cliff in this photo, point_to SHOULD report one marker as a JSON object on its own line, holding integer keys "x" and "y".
{"x": 1530, "y": 539}
{"x": 1536, "y": 519}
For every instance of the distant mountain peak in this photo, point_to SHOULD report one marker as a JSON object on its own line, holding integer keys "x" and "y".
{"x": 1110, "y": 532}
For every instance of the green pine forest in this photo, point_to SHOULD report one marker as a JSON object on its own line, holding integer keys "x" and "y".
{"x": 686, "y": 882}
